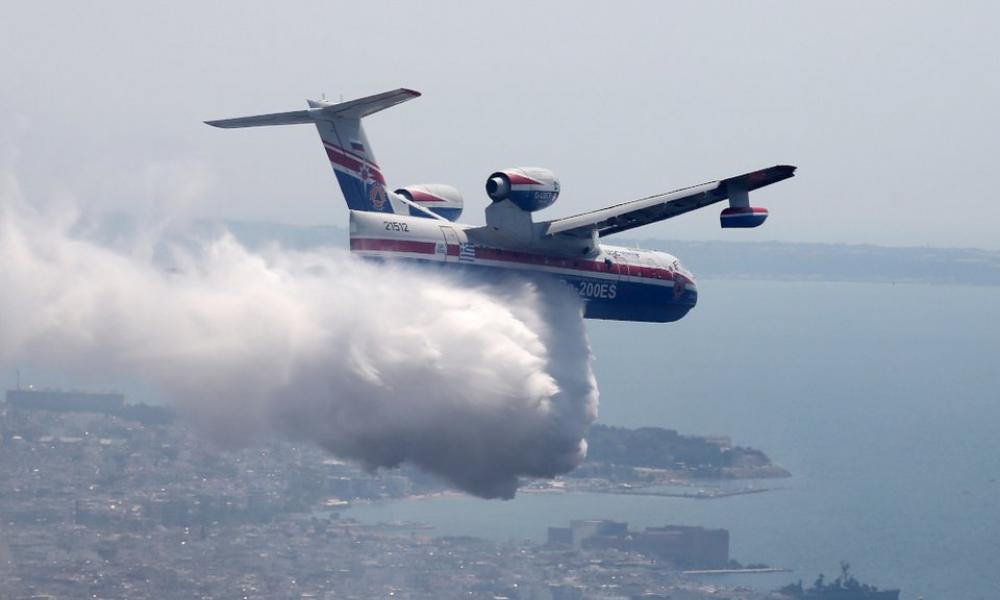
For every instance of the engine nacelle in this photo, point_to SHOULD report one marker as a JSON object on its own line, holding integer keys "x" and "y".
{"x": 438, "y": 198}
{"x": 529, "y": 188}
{"x": 742, "y": 216}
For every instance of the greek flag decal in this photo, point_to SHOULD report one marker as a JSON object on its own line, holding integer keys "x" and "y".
{"x": 467, "y": 252}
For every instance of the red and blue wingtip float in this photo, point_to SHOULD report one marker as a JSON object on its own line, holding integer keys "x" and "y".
{"x": 417, "y": 222}
{"x": 742, "y": 216}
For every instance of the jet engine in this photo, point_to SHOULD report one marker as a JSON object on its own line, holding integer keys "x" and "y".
{"x": 529, "y": 188}
{"x": 441, "y": 199}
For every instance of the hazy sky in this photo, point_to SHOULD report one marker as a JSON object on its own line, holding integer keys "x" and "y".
{"x": 889, "y": 109}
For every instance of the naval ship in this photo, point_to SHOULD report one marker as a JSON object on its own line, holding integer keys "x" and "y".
{"x": 845, "y": 587}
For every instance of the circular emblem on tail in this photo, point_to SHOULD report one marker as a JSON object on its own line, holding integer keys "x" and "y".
{"x": 378, "y": 196}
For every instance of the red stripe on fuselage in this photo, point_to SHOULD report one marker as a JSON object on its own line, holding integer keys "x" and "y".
{"x": 410, "y": 246}
{"x": 523, "y": 258}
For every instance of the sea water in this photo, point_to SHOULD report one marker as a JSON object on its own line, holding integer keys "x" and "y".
{"x": 882, "y": 399}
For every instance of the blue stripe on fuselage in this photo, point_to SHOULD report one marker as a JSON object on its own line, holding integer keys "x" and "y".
{"x": 604, "y": 298}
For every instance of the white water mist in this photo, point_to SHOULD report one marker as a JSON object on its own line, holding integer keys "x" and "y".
{"x": 480, "y": 384}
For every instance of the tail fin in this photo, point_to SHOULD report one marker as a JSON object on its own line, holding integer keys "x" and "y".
{"x": 346, "y": 145}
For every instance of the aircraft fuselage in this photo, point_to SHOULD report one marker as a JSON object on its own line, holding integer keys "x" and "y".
{"x": 615, "y": 283}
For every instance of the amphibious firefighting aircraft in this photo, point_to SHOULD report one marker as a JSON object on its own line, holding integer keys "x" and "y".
{"x": 417, "y": 222}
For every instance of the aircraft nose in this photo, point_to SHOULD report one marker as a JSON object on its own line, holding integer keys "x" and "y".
{"x": 687, "y": 293}
{"x": 691, "y": 292}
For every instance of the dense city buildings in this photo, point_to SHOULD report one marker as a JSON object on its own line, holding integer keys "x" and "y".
{"x": 682, "y": 546}
{"x": 121, "y": 503}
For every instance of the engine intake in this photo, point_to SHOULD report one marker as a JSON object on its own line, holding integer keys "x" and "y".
{"x": 529, "y": 188}
{"x": 440, "y": 199}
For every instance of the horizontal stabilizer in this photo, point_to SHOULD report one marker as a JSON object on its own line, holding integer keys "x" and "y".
{"x": 352, "y": 109}
{"x": 362, "y": 107}
{"x": 285, "y": 118}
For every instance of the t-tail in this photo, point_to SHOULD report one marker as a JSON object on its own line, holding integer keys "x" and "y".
{"x": 347, "y": 147}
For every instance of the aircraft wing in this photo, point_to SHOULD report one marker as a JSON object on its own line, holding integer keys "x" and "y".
{"x": 644, "y": 211}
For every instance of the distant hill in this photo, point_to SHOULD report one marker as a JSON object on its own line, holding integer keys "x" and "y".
{"x": 833, "y": 262}
{"x": 610, "y": 449}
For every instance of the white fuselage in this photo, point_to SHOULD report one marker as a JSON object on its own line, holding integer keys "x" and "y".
{"x": 614, "y": 282}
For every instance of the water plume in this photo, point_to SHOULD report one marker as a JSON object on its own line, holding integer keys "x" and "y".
{"x": 481, "y": 384}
